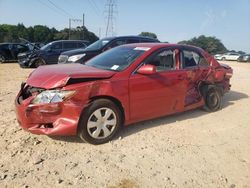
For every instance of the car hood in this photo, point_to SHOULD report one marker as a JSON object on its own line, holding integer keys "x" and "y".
{"x": 77, "y": 51}
{"x": 54, "y": 76}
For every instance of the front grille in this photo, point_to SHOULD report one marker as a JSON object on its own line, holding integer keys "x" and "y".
{"x": 63, "y": 59}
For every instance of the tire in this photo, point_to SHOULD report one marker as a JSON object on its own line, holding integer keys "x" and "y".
{"x": 39, "y": 62}
{"x": 2, "y": 59}
{"x": 93, "y": 126}
{"x": 223, "y": 59}
{"x": 213, "y": 98}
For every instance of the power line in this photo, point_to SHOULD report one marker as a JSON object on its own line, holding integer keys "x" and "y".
{"x": 95, "y": 7}
{"x": 111, "y": 7}
{"x": 59, "y": 8}
{"x": 54, "y": 10}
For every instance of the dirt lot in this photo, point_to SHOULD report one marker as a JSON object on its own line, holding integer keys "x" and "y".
{"x": 192, "y": 149}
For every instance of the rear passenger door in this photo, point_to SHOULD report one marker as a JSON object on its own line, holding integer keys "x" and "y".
{"x": 196, "y": 68}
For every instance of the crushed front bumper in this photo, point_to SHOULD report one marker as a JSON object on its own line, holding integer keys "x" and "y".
{"x": 50, "y": 119}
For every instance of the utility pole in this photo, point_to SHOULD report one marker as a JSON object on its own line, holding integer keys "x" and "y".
{"x": 74, "y": 20}
{"x": 69, "y": 27}
{"x": 83, "y": 27}
{"x": 110, "y": 7}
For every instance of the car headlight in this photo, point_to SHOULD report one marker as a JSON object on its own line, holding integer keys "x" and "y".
{"x": 52, "y": 96}
{"x": 74, "y": 58}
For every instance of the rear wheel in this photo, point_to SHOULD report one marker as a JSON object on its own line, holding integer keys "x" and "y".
{"x": 212, "y": 98}
{"x": 39, "y": 62}
{"x": 99, "y": 122}
{"x": 2, "y": 59}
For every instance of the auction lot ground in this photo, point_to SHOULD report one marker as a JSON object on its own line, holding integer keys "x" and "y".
{"x": 191, "y": 149}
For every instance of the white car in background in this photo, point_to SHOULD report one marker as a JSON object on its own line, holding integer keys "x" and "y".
{"x": 218, "y": 56}
{"x": 231, "y": 56}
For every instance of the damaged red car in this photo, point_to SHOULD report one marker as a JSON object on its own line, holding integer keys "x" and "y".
{"x": 121, "y": 86}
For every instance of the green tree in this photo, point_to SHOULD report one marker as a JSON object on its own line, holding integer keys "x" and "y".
{"x": 210, "y": 44}
{"x": 44, "y": 34}
{"x": 148, "y": 34}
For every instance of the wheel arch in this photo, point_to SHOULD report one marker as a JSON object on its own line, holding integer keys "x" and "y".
{"x": 114, "y": 100}
{"x": 32, "y": 61}
{"x": 205, "y": 86}
{"x": 111, "y": 98}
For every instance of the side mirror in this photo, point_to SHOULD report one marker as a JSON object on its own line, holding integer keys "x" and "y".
{"x": 147, "y": 69}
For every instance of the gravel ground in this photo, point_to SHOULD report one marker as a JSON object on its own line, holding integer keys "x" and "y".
{"x": 191, "y": 149}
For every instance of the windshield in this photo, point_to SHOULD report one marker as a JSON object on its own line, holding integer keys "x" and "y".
{"x": 116, "y": 59}
{"x": 46, "y": 47}
{"x": 98, "y": 44}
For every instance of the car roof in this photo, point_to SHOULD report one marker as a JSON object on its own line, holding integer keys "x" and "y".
{"x": 4, "y": 43}
{"x": 131, "y": 36}
{"x": 160, "y": 45}
{"x": 69, "y": 41}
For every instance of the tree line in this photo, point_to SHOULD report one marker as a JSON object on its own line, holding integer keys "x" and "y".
{"x": 43, "y": 34}
{"x": 212, "y": 45}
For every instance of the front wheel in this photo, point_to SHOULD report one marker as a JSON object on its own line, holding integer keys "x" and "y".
{"x": 212, "y": 98}
{"x": 39, "y": 62}
{"x": 99, "y": 122}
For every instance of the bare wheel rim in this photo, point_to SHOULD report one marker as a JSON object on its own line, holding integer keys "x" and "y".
{"x": 101, "y": 123}
{"x": 1, "y": 59}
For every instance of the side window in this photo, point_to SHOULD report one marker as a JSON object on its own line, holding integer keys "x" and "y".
{"x": 117, "y": 43}
{"x": 56, "y": 46}
{"x": 69, "y": 45}
{"x": 163, "y": 60}
{"x": 22, "y": 48}
{"x": 192, "y": 59}
{"x": 81, "y": 45}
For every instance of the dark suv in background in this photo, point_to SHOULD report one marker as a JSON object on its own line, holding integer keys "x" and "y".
{"x": 9, "y": 51}
{"x": 49, "y": 53}
{"x": 82, "y": 55}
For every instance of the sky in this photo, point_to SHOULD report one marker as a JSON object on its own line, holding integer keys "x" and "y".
{"x": 170, "y": 20}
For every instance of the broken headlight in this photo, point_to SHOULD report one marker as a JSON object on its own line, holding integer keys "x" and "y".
{"x": 52, "y": 96}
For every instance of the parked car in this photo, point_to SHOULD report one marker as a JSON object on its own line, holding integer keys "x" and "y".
{"x": 244, "y": 58}
{"x": 230, "y": 56}
{"x": 218, "y": 56}
{"x": 9, "y": 51}
{"x": 81, "y": 56}
{"x": 49, "y": 53}
{"x": 124, "y": 85}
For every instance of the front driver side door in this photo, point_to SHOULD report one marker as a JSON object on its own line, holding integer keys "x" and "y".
{"x": 54, "y": 52}
{"x": 158, "y": 94}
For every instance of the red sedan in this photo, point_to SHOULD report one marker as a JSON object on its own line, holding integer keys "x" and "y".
{"x": 124, "y": 85}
